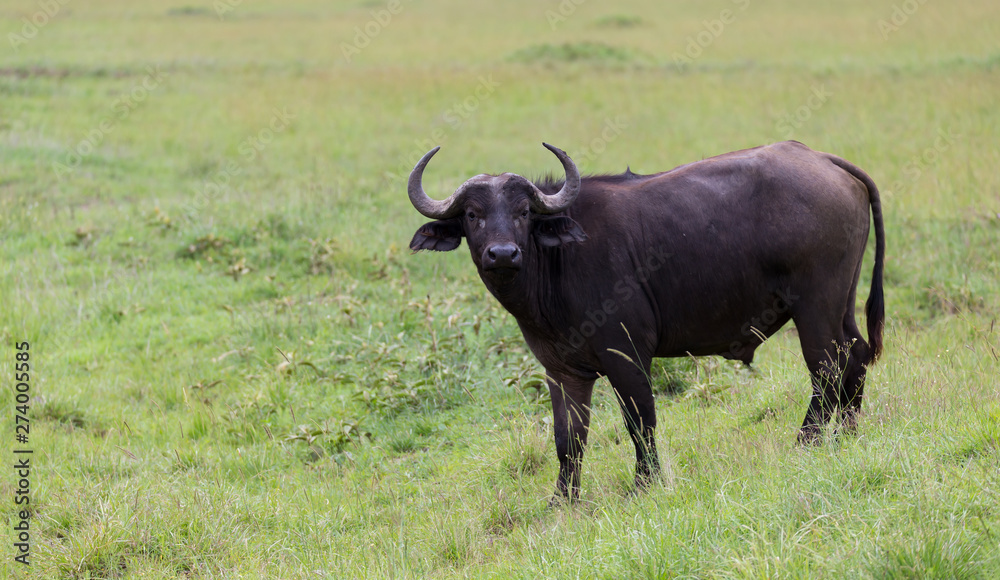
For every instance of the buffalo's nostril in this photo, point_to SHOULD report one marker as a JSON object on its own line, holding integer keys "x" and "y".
{"x": 504, "y": 255}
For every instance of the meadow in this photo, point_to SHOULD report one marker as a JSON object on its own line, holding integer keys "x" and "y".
{"x": 239, "y": 370}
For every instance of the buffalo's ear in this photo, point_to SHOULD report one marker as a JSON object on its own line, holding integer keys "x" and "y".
{"x": 556, "y": 231}
{"x": 440, "y": 236}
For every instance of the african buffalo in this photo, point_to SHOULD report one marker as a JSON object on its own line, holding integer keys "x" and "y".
{"x": 603, "y": 273}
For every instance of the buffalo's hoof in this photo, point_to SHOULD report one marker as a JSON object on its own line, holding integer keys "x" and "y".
{"x": 849, "y": 423}
{"x": 811, "y": 435}
{"x": 560, "y": 499}
{"x": 643, "y": 482}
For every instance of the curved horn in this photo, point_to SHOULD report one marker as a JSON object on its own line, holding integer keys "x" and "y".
{"x": 431, "y": 208}
{"x": 547, "y": 204}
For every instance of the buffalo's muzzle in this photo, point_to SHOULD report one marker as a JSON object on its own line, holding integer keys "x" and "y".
{"x": 502, "y": 256}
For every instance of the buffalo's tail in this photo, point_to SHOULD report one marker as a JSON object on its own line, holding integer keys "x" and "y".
{"x": 875, "y": 307}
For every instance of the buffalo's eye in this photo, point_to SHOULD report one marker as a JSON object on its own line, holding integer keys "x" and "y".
{"x": 524, "y": 214}
{"x": 472, "y": 216}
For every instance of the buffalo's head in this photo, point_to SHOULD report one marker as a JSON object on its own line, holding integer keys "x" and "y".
{"x": 501, "y": 216}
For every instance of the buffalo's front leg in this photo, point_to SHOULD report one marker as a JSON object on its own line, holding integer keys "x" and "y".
{"x": 571, "y": 421}
{"x": 630, "y": 379}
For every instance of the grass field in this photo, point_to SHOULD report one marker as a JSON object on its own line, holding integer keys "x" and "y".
{"x": 238, "y": 370}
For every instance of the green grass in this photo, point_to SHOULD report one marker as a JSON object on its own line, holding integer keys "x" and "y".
{"x": 258, "y": 380}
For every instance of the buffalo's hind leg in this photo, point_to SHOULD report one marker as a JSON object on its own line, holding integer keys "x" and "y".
{"x": 853, "y": 387}
{"x": 570, "y": 424}
{"x": 825, "y": 350}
